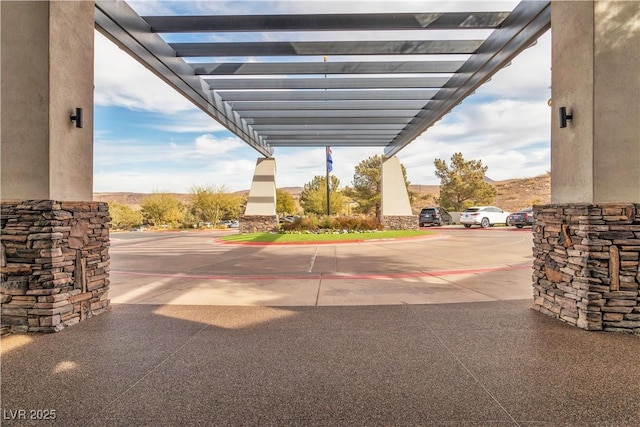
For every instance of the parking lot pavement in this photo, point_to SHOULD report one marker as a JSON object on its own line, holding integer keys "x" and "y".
{"x": 192, "y": 268}
{"x": 420, "y": 333}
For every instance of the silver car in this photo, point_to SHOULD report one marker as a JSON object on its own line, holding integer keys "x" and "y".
{"x": 484, "y": 216}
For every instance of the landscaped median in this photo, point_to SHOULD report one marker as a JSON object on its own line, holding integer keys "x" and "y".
{"x": 322, "y": 238}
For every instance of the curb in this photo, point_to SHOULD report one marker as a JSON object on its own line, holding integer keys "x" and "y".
{"x": 333, "y": 242}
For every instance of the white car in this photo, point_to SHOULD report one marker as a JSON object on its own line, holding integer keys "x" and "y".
{"x": 484, "y": 216}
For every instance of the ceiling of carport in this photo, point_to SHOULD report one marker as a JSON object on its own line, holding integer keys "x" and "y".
{"x": 358, "y": 89}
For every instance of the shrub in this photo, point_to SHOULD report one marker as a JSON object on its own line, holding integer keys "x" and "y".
{"x": 328, "y": 224}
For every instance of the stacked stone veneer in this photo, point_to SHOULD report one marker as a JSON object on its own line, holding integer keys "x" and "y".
{"x": 258, "y": 223}
{"x": 55, "y": 263}
{"x": 586, "y": 269}
{"x": 406, "y": 222}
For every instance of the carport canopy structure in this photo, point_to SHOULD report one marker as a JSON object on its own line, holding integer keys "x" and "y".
{"x": 330, "y": 79}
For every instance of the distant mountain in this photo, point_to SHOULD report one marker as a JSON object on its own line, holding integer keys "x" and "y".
{"x": 513, "y": 194}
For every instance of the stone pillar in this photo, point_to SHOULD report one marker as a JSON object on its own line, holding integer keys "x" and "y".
{"x": 395, "y": 206}
{"x": 586, "y": 269}
{"x": 55, "y": 263}
{"x": 586, "y": 243}
{"x": 54, "y": 240}
{"x": 260, "y": 214}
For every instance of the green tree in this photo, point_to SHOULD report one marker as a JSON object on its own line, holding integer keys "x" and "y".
{"x": 313, "y": 198}
{"x": 161, "y": 209}
{"x": 285, "y": 204}
{"x": 124, "y": 217}
{"x": 462, "y": 183}
{"x": 212, "y": 204}
{"x": 367, "y": 185}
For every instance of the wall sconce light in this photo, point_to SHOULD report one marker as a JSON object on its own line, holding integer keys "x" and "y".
{"x": 77, "y": 117}
{"x": 564, "y": 117}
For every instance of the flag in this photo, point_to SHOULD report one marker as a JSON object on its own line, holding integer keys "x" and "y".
{"x": 329, "y": 160}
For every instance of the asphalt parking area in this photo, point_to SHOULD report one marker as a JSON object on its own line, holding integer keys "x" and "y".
{"x": 453, "y": 265}
{"x": 223, "y": 349}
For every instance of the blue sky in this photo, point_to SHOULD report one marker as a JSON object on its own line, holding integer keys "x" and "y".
{"x": 148, "y": 138}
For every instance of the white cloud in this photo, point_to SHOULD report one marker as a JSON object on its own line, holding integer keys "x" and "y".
{"x": 117, "y": 152}
{"x": 188, "y": 122}
{"x": 235, "y": 175}
{"x": 144, "y": 181}
{"x": 511, "y": 137}
{"x": 121, "y": 81}
{"x": 114, "y": 153}
{"x": 208, "y": 145}
{"x": 528, "y": 76}
{"x": 297, "y": 166}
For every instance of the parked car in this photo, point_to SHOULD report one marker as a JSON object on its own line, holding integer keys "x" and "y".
{"x": 286, "y": 219}
{"x": 521, "y": 218}
{"x": 484, "y": 216}
{"x": 434, "y": 215}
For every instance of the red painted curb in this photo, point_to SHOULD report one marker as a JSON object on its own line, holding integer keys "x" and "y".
{"x": 331, "y": 242}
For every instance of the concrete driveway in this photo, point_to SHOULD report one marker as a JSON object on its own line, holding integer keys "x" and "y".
{"x": 419, "y": 333}
{"x": 452, "y": 265}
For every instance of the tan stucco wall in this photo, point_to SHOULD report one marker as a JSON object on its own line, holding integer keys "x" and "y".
{"x": 595, "y": 63}
{"x": 616, "y": 131}
{"x": 395, "y": 199}
{"x": 72, "y": 33}
{"x": 47, "y": 71}
{"x": 25, "y": 100}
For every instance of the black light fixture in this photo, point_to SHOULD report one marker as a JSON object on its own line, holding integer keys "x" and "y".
{"x": 564, "y": 117}
{"x": 77, "y": 117}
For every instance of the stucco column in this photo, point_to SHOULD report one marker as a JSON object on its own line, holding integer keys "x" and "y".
{"x": 47, "y": 72}
{"x": 587, "y": 242}
{"x": 395, "y": 206}
{"x": 260, "y": 213}
{"x": 595, "y": 63}
{"x": 54, "y": 241}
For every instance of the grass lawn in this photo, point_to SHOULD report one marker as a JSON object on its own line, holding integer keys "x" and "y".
{"x": 293, "y": 238}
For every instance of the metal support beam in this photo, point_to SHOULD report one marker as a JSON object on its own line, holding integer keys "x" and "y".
{"x": 118, "y": 22}
{"x": 388, "y": 47}
{"x": 326, "y": 22}
{"x": 528, "y": 21}
{"x": 327, "y": 95}
{"x": 332, "y": 83}
{"x": 308, "y": 100}
{"x": 267, "y": 68}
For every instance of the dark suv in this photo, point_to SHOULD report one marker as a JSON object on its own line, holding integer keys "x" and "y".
{"x": 434, "y": 216}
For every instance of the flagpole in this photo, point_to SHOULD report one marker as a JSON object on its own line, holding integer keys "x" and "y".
{"x": 327, "y": 169}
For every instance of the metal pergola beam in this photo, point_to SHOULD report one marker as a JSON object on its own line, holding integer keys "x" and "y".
{"x": 389, "y": 47}
{"x": 333, "y": 136}
{"x": 527, "y": 22}
{"x": 333, "y": 143}
{"x": 325, "y": 22}
{"x": 330, "y": 133}
{"x": 326, "y": 126}
{"x": 293, "y": 68}
{"x": 327, "y": 95}
{"x": 327, "y": 83}
{"x": 331, "y": 113}
{"x": 285, "y": 121}
{"x": 240, "y": 106}
{"x": 118, "y": 22}
{"x": 305, "y": 100}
